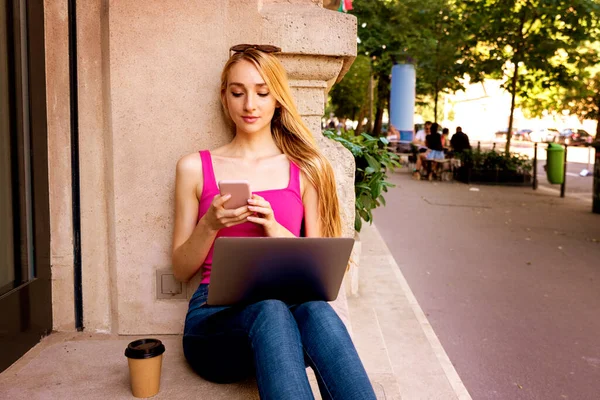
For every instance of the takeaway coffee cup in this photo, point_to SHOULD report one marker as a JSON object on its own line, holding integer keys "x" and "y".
{"x": 145, "y": 361}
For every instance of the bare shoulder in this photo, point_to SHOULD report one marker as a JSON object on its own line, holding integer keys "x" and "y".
{"x": 306, "y": 187}
{"x": 190, "y": 165}
{"x": 188, "y": 177}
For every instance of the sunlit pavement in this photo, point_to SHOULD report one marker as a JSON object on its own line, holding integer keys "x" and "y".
{"x": 508, "y": 279}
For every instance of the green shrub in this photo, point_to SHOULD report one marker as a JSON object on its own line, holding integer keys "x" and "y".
{"x": 372, "y": 161}
{"x": 492, "y": 160}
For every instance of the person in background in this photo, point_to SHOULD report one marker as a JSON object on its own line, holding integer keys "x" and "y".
{"x": 393, "y": 134}
{"x": 435, "y": 150}
{"x": 422, "y": 134}
{"x": 434, "y": 144}
{"x": 445, "y": 135}
{"x": 460, "y": 141}
{"x": 419, "y": 148}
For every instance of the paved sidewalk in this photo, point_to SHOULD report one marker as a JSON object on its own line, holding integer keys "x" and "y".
{"x": 397, "y": 345}
{"x": 510, "y": 280}
{"x": 388, "y": 323}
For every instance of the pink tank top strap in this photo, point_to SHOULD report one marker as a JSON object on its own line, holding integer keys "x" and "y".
{"x": 295, "y": 179}
{"x": 208, "y": 174}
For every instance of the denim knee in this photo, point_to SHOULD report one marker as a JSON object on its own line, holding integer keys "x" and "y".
{"x": 269, "y": 309}
{"x": 220, "y": 358}
{"x": 318, "y": 312}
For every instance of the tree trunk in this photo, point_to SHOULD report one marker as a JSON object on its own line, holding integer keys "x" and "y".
{"x": 436, "y": 85}
{"x": 513, "y": 92}
{"x": 435, "y": 106}
{"x": 598, "y": 117}
{"x": 361, "y": 117}
{"x": 378, "y": 121}
{"x": 383, "y": 94}
{"x": 515, "y": 79}
{"x": 370, "y": 112}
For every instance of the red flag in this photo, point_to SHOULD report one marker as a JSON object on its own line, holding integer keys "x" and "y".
{"x": 347, "y": 5}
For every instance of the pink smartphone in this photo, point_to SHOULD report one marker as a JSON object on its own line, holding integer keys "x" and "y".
{"x": 239, "y": 191}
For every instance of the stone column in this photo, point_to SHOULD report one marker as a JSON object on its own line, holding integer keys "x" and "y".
{"x": 318, "y": 48}
{"x": 59, "y": 163}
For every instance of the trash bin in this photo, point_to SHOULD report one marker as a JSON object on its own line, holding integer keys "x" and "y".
{"x": 555, "y": 164}
{"x": 596, "y": 194}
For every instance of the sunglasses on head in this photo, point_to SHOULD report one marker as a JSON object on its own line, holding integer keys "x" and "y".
{"x": 265, "y": 48}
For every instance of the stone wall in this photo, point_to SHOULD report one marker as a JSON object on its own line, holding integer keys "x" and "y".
{"x": 148, "y": 94}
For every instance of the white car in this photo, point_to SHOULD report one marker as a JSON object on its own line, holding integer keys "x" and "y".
{"x": 544, "y": 135}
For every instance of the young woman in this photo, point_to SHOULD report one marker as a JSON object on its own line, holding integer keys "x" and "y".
{"x": 293, "y": 185}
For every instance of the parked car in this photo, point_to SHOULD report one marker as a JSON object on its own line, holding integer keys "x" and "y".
{"x": 501, "y": 134}
{"x": 544, "y": 135}
{"x": 575, "y": 137}
{"x": 522, "y": 134}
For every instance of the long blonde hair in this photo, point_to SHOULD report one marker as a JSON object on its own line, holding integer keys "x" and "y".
{"x": 293, "y": 137}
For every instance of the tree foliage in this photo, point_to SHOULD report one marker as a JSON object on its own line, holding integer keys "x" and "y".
{"x": 426, "y": 33}
{"x": 583, "y": 99}
{"x": 437, "y": 50}
{"x": 349, "y": 96}
{"x": 540, "y": 48}
{"x": 521, "y": 40}
{"x": 580, "y": 96}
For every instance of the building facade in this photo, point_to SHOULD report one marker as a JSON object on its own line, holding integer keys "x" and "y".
{"x": 100, "y": 98}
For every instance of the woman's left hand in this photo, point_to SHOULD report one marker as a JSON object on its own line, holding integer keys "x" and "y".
{"x": 263, "y": 215}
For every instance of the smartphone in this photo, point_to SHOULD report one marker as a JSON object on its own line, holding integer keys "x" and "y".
{"x": 239, "y": 191}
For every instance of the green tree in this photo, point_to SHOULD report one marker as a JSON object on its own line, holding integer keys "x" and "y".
{"x": 583, "y": 99}
{"x": 375, "y": 32}
{"x": 519, "y": 40}
{"x": 437, "y": 50}
{"x": 427, "y": 33}
{"x": 349, "y": 97}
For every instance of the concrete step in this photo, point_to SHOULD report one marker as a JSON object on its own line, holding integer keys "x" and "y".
{"x": 391, "y": 333}
{"x": 399, "y": 349}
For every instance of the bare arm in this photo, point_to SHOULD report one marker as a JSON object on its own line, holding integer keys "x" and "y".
{"x": 192, "y": 239}
{"x": 310, "y": 199}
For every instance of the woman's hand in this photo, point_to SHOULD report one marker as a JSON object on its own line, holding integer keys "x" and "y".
{"x": 218, "y": 217}
{"x": 262, "y": 214}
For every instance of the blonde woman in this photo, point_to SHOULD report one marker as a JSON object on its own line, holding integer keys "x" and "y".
{"x": 294, "y": 186}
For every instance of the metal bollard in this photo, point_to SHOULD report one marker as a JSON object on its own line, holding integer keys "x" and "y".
{"x": 535, "y": 181}
{"x": 596, "y": 192}
{"x": 564, "y": 183}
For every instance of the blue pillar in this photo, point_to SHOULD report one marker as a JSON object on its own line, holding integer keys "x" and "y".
{"x": 402, "y": 100}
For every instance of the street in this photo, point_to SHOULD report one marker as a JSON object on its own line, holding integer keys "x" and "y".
{"x": 508, "y": 279}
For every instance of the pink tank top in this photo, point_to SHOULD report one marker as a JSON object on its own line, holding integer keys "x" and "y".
{"x": 286, "y": 204}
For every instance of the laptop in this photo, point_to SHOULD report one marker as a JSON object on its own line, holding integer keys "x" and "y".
{"x": 294, "y": 270}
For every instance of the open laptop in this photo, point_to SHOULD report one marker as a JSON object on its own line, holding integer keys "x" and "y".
{"x": 295, "y": 270}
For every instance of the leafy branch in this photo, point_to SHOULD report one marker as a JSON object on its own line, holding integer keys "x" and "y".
{"x": 373, "y": 159}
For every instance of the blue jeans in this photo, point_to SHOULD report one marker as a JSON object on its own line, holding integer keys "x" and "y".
{"x": 275, "y": 341}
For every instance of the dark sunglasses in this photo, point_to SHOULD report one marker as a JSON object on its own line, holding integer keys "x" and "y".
{"x": 265, "y": 48}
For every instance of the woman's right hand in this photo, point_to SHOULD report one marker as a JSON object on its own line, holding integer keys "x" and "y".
{"x": 218, "y": 217}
